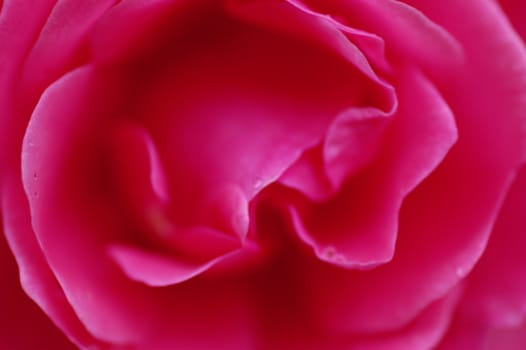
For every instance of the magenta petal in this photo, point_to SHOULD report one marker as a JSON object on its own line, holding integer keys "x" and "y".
{"x": 203, "y": 242}
{"x": 37, "y": 279}
{"x": 157, "y": 270}
{"x": 293, "y": 19}
{"x": 407, "y": 32}
{"x": 424, "y": 332}
{"x": 299, "y": 329}
{"x": 39, "y": 43}
{"x": 137, "y": 165}
{"x": 22, "y": 324}
{"x": 61, "y": 42}
{"x": 72, "y": 224}
{"x": 352, "y": 141}
{"x": 497, "y": 285}
{"x": 20, "y": 23}
{"x": 242, "y": 109}
{"x": 493, "y": 307}
{"x": 445, "y": 221}
{"x": 126, "y": 28}
{"x": 359, "y": 227}
{"x": 143, "y": 186}
{"x": 369, "y": 43}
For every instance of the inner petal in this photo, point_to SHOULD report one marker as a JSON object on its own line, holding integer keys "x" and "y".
{"x": 357, "y": 227}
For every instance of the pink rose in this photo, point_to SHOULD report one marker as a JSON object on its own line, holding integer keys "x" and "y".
{"x": 257, "y": 174}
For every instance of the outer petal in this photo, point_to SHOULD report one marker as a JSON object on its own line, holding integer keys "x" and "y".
{"x": 493, "y": 308}
{"x": 20, "y": 23}
{"x": 39, "y": 42}
{"x": 35, "y": 275}
{"x": 61, "y": 44}
{"x": 22, "y": 324}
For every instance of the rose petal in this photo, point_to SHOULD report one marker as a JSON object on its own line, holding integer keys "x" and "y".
{"x": 64, "y": 194}
{"x": 494, "y": 303}
{"x": 497, "y": 288}
{"x": 351, "y": 143}
{"x": 405, "y": 30}
{"x": 371, "y": 44}
{"x": 20, "y": 23}
{"x": 61, "y": 43}
{"x": 424, "y": 332}
{"x": 36, "y": 277}
{"x": 445, "y": 222}
{"x": 295, "y": 20}
{"x": 73, "y": 224}
{"x": 144, "y": 191}
{"x": 20, "y": 317}
{"x": 128, "y": 28}
{"x": 156, "y": 270}
{"x": 280, "y": 288}
{"x": 74, "y": 228}
{"x": 359, "y": 227}
{"x": 241, "y": 108}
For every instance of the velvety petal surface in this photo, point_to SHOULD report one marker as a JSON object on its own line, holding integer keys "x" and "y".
{"x": 445, "y": 222}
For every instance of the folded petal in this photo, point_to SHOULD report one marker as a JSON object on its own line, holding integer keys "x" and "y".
{"x": 358, "y": 228}
{"x": 157, "y": 270}
{"x": 408, "y": 34}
